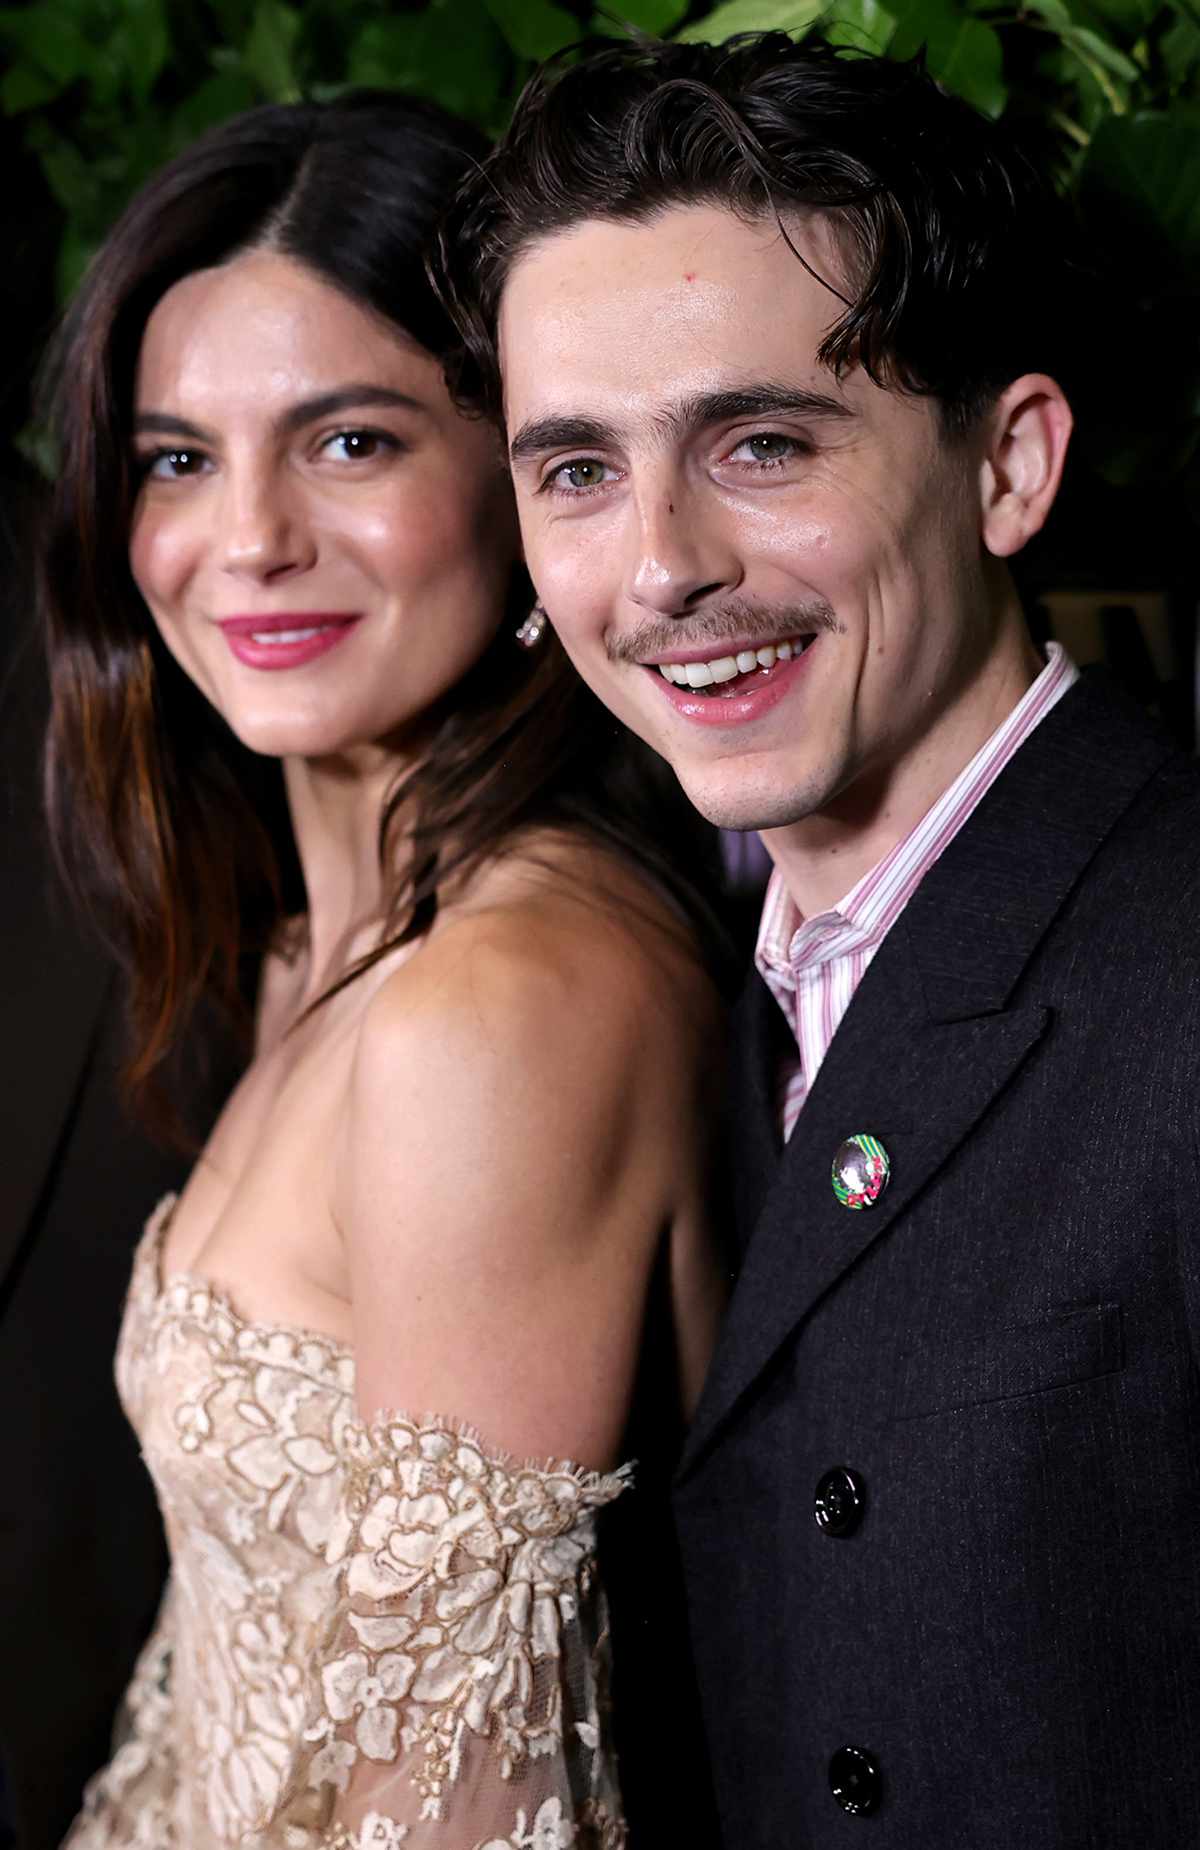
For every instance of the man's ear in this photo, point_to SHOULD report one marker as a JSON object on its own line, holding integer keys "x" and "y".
{"x": 1029, "y": 428}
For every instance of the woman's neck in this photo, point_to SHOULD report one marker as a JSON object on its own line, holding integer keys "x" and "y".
{"x": 335, "y": 806}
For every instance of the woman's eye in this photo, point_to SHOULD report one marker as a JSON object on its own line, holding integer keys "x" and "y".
{"x": 581, "y": 474}
{"x": 171, "y": 465}
{"x": 767, "y": 447}
{"x": 357, "y": 445}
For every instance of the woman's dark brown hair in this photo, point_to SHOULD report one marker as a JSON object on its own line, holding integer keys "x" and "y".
{"x": 174, "y": 836}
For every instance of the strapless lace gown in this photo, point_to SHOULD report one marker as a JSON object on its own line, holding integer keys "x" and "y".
{"x": 372, "y": 1637}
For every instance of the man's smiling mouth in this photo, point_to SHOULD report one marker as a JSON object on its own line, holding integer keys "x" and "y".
{"x": 724, "y": 674}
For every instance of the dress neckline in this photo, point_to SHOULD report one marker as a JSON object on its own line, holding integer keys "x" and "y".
{"x": 184, "y": 1281}
{"x": 331, "y": 1361}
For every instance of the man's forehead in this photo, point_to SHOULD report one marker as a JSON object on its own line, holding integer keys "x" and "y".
{"x": 682, "y": 241}
{"x": 648, "y": 314}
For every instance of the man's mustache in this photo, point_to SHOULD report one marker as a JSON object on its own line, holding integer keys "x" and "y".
{"x": 737, "y": 620}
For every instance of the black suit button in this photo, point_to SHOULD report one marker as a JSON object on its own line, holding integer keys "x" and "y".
{"x": 855, "y": 1781}
{"x": 840, "y": 1501}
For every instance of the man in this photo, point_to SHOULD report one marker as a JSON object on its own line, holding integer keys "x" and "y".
{"x": 81, "y": 1545}
{"x": 768, "y": 329}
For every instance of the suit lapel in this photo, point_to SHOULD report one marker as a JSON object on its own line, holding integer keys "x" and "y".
{"x": 933, "y": 1032}
{"x": 756, "y": 1042}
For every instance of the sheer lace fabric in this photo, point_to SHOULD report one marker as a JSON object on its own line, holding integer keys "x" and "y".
{"x": 373, "y": 1636}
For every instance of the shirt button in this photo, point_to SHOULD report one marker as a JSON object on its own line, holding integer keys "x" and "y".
{"x": 855, "y": 1781}
{"x": 840, "y": 1502}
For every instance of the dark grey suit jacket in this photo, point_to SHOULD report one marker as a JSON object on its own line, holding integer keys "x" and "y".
{"x": 81, "y": 1547}
{"x": 1004, "y": 1350}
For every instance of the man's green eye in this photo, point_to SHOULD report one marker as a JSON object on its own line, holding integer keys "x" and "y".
{"x": 768, "y": 446}
{"x": 582, "y": 474}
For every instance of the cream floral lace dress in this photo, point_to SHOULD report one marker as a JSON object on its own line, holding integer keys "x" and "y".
{"x": 372, "y": 1637}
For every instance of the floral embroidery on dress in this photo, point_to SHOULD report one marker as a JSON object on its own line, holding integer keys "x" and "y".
{"x": 373, "y": 1637}
{"x": 464, "y": 1580}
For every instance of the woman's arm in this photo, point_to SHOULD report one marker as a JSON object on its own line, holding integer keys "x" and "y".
{"x": 515, "y": 1145}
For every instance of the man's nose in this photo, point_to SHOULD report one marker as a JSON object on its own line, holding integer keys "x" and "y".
{"x": 264, "y": 533}
{"x": 681, "y": 554}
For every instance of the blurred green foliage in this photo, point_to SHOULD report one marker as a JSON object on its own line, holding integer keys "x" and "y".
{"x": 100, "y": 92}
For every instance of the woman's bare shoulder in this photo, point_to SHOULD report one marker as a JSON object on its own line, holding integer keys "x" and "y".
{"x": 561, "y": 943}
{"x": 546, "y": 990}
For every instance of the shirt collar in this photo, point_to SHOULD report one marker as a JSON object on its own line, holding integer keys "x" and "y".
{"x": 863, "y": 917}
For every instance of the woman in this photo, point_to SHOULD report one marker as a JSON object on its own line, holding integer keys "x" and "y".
{"x": 418, "y": 1247}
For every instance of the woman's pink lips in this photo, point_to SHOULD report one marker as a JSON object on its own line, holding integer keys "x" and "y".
{"x": 328, "y": 627}
{"x": 763, "y": 691}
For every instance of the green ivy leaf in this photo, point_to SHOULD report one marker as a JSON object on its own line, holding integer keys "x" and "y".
{"x": 456, "y": 57}
{"x": 963, "y": 53}
{"x": 863, "y": 24}
{"x": 535, "y": 29}
{"x": 69, "y": 175}
{"x": 234, "y": 19}
{"x": 74, "y": 254}
{"x": 1180, "y": 50}
{"x": 51, "y": 42}
{"x": 1052, "y": 11}
{"x": 269, "y": 53}
{"x": 223, "y": 94}
{"x": 144, "y": 43}
{"x": 387, "y": 52}
{"x": 653, "y": 16}
{"x": 1129, "y": 17}
{"x": 752, "y": 16}
{"x": 24, "y": 87}
{"x": 969, "y": 59}
{"x": 1141, "y": 182}
{"x": 1089, "y": 44}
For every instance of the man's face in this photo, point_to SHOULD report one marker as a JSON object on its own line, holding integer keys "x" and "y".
{"x": 697, "y": 493}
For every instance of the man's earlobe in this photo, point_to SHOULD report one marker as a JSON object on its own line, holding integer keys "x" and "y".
{"x": 1030, "y": 426}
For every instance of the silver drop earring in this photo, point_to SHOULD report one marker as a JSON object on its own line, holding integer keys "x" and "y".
{"x": 534, "y": 628}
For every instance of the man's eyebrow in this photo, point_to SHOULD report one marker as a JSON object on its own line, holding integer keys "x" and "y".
{"x": 541, "y": 435}
{"x": 761, "y": 400}
{"x": 307, "y": 411}
{"x": 683, "y": 419}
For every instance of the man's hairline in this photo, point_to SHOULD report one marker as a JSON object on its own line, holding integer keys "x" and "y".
{"x": 660, "y": 208}
{"x": 632, "y": 215}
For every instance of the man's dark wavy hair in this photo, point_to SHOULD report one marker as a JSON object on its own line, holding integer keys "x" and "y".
{"x": 951, "y": 244}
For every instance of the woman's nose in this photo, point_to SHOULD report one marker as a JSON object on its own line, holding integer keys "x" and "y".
{"x": 263, "y": 530}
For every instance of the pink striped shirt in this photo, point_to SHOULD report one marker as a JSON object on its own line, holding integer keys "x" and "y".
{"x": 813, "y": 966}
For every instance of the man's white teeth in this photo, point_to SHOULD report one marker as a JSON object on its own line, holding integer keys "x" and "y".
{"x": 285, "y": 635}
{"x": 728, "y": 667}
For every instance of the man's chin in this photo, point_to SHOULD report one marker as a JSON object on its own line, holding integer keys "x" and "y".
{"x": 748, "y": 805}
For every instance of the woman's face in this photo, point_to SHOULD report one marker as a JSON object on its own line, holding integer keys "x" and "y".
{"x": 323, "y": 541}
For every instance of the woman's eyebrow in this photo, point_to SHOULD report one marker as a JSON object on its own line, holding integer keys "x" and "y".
{"x": 346, "y": 398}
{"x": 166, "y": 424}
{"x": 306, "y": 411}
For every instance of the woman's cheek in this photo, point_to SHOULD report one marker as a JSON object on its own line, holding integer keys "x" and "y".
{"x": 154, "y": 556}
